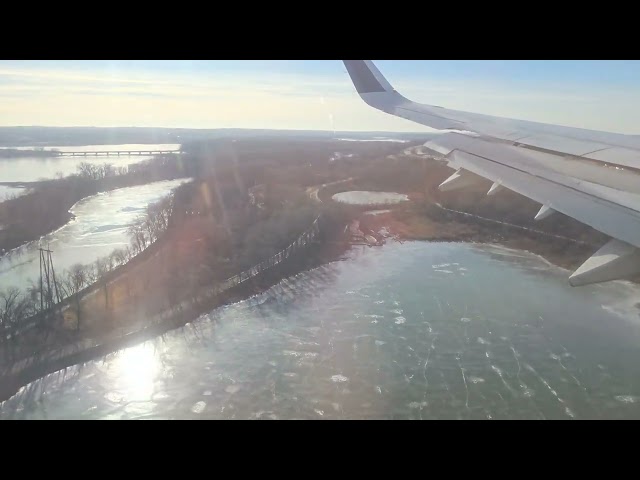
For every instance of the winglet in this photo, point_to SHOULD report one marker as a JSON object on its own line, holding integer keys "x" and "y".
{"x": 366, "y": 77}
{"x": 378, "y": 93}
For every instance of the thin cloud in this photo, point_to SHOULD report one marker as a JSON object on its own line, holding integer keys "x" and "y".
{"x": 50, "y": 96}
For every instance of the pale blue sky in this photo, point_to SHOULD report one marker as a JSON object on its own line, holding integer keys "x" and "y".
{"x": 311, "y": 94}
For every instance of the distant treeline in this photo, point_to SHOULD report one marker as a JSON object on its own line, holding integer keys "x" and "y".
{"x": 28, "y": 136}
{"x": 296, "y": 161}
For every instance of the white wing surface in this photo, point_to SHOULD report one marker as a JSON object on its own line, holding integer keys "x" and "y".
{"x": 589, "y": 175}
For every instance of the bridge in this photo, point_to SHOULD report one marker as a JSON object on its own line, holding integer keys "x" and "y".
{"x": 110, "y": 153}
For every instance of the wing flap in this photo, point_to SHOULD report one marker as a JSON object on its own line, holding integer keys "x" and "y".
{"x": 595, "y": 205}
{"x": 556, "y": 143}
{"x": 614, "y": 260}
{"x": 624, "y": 157}
{"x": 595, "y": 180}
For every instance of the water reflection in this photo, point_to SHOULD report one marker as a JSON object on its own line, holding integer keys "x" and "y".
{"x": 132, "y": 374}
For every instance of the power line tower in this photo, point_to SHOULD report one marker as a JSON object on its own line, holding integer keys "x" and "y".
{"x": 48, "y": 283}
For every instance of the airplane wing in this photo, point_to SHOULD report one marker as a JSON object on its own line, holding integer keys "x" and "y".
{"x": 589, "y": 175}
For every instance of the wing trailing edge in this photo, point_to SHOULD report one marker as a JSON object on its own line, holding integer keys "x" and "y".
{"x": 581, "y": 200}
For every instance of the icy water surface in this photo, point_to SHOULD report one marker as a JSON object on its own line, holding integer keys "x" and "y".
{"x": 8, "y": 191}
{"x": 369, "y": 198}
{"x": 99, "y": 227}
{"x": 406, "y": 331}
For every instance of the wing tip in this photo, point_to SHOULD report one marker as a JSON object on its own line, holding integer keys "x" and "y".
{"x": 365, "y": 77}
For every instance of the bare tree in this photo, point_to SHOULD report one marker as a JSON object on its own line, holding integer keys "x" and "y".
{"x": 88, "y": 170}
{"x": 96, "y": 172}
{"x": 118, "y": 257}
{"x": 75, "y": 279}
{"x": 137, "y": 237}
{"x": 9, "y": 306}
{"x": 149, "y": 226}
{"x": 107, "y": 170}
{"x": 15, "y": 308}
{"x": 101, "y": 267}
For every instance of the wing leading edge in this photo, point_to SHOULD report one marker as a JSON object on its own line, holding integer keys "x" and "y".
{"x": 565, "y": 169}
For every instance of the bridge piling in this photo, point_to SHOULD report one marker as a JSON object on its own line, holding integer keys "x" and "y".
{"x": 116, "y": 153}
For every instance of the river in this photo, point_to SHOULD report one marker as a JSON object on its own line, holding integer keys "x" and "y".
{"x": 7, "y": 192}
{"x": 30, "y": 169}
{"x": 407, "y": 331}
{"x": 99, "y": 227}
